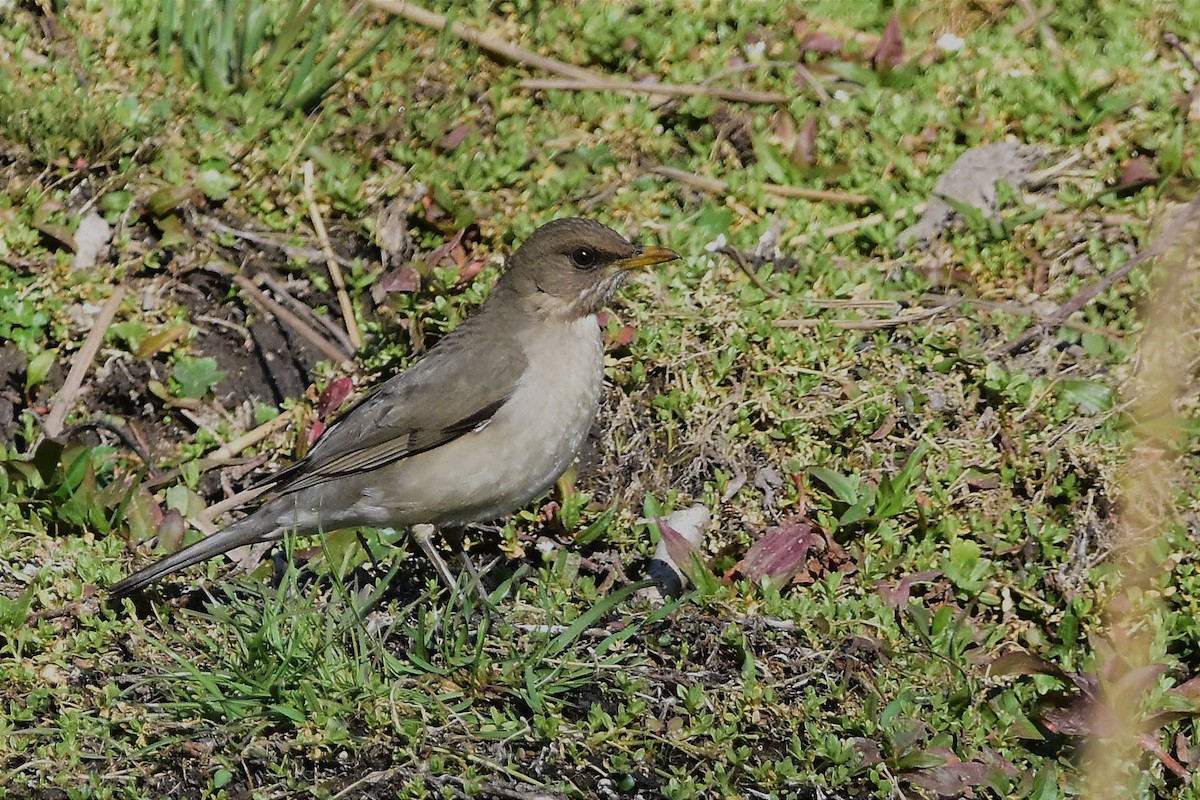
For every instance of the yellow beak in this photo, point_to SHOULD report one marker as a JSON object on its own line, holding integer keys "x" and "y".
{"x": 647, "y": 258}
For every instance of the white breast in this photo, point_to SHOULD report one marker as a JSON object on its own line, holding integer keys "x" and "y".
{"x": 518, "y": 454}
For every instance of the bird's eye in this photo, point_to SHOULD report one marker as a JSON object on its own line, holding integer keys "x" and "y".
{"x": 584, "y": 257}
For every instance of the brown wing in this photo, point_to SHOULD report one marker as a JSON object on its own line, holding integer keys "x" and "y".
{"x": 458, "y": 386}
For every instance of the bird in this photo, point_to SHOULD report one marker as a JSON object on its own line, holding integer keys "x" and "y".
{"x": 479, "y": 427}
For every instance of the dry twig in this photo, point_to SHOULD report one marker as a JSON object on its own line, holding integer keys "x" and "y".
{"x": 253, "y": 436}
{"x": 668, "y": 89}
{"x": 65, "y": 397}
{"x": 331, "y": 350}
{"x": 490, "y": 44}
{"x": 1164, "y": 241}
{"x": 739, "y": 259}
{"x": 870, "y": 220}
{"x": 335, "y": 269}
{"x": 304, "y": 312}
{"x": 718, "y": 186}
{"x": 291, "y": 320}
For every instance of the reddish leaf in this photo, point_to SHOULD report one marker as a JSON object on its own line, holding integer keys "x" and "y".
{"x": 685, "y": 555}
{"x": 1137, "y": 172}
{"x": 1151, "y": 745}
{"x": 779, "y": 554}
{"x": 1019, "y": 662}
{"x": 455, "y": 137}
{"x": 334, "y": 395}
{"x": 896, "y": 595}
{"x": 468, "y": 272}
{"x": 314, "y": 432}
{"x": 952, "y": 780}
{"x": 403, "y": 279}
{"x": 889, "y": 52}
{"x": 437, "y": 254}
{"x": 1189, "y": 689}
{"x": 821, "y": 43}
{"x": 1073, "y": 717}
{"x": 623, "y": 337}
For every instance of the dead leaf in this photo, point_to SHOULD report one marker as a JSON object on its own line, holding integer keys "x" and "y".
{"x": 91, "y": 241}
{"x": 889, "y": 53}
{"x": 455, "y": 137}
{"x": 805, "y": 151}
{"x": 952, "y": 779}
{"x": 822, "y": 43}
{"x": 392, "y": 234}
{"x": 779, "y": 554}
{"x": 1019, "y": 662}
{"x": 170, "y": 531}
{"x": 469, "y": 271}
{"x": 334, "y": 396}
{"x": 403, "y": 279}
{"x": 1136, "y": 172}
{"x": 897, "y": 595}
{"x": 436, "y": 255}
{"x": 971, "y": 181}
{"x": 868, "y": 751}
{"x": 157, "y": 341}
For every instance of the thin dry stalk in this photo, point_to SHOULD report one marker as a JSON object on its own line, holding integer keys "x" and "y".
{"x": 871, "y": 220}
{"x": 739, "y": 259}
{"x": 65, "y": 398}
{"x": 328, "y": 348}
{"x": 668, "y": 89}
{"x": 1180, "y": 222}
{"x": 908, "y": 318}
{"x": 489, "y": 44}
{"x": 253, "y": 436}
{"x": 1149, "y": 483}
{"x": 335, "y": 269}
{"x": 1037, "y": 18}
{"x": 718, "y": 186}
{"x": 304, "y": 312}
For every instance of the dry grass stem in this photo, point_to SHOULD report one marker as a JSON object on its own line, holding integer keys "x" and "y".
{"x": 668, "y": 89}
{"x": 1149, "y": 482}
{"x": 335, "y": 270}
{"x": 65, "y": 397}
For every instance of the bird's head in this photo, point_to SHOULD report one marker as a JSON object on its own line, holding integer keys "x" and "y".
{"x": 570, "y": 268}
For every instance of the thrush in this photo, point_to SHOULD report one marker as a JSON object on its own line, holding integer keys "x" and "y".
{"x": 485, "y": 423}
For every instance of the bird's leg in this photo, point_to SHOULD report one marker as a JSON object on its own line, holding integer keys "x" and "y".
{"x": 423, "y": 535}
{"x": 362, "y": 542}
{"x": 454, "y": 538}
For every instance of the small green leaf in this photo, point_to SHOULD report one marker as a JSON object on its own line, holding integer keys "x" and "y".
{"x": 196, "y": 376}
{"x": 845, "y": 489}
{"x": 116, "y": 202}
{"x": 598, "y": 528}
{"x": 1090, "y": 397}
{"x": 288, "y": 712}
{"x": 221, "y": 778}
{"x": 216, "y": 185}
{"x": 39, "y": 368}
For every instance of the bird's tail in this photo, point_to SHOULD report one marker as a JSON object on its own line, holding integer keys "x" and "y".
{"x": 248, "y": 530}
